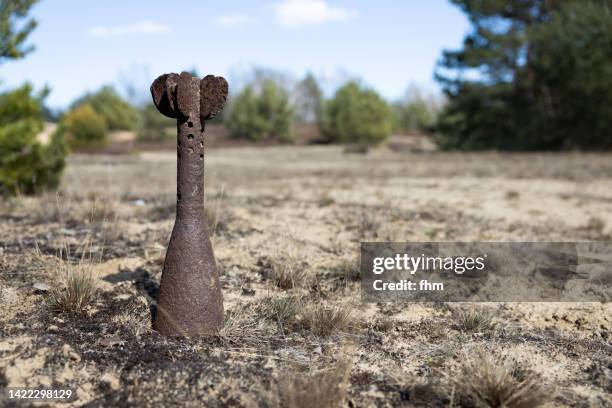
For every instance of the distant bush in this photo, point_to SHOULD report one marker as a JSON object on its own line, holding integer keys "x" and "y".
{"x": 309, "y": 100}
{"x": 416, "y": 112}
{"x": 118, "y": 113}
{"x": 27, "y": 165}
{"x": 154, "y": 126}
{"x": 356, "y": 115}
{"x": 83, "y": 127}
{"x": 263, "y": 115}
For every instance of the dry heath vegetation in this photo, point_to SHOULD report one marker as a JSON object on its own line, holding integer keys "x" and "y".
{"x": 493, "y": 382}
{"x": 80, "y": 270}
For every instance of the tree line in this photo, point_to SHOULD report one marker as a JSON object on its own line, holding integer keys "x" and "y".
{"x": 267, "y": 108}
{"x": 531, "y": 75}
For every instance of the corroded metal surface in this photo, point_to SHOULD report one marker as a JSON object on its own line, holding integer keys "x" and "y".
{"x": 190, "y": 301}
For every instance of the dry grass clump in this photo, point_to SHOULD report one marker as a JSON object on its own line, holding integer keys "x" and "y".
{"x": 75, "y": 289}
{"x": 473, "y": 320}
{"x": 74, "y": 285}
{"x": 420, "y": 391}
{"x": 242, "y": 325}
{"x": 348, "y": 270}
{"x": 293, "y": 313}
{"x": 493, "y": 382}
{"x": 322, "y": 389}
{"x": 324, "y": 320}
{"x": 286, "y": 271}
{"x": 281, "y": 310}
{"x": 384, "y": 324}
{"x": 134, "y": 324}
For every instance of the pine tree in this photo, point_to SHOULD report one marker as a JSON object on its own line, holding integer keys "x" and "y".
{"x": 13, "y": 36}
{"x": 505, "y": 88}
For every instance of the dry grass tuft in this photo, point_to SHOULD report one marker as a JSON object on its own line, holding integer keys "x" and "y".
{"x": 74, "y": 290}
{"x": 134, "y": 324}
{"x": 420, "y": 391}
{"x": 287, "y": 271}
{"x": 324, "y": 320}
{"x": 293, "y": 313}
{"x": 74, "y": 284}
{"x": 282, "y": 310}
{"x": 494, "y": 382}
{"x": 348, "y": 270}
{"x": 323, "y": 389}
{"x": 473, "y": 320}
{"x": 384, "y": 324}
{"x": 243, "y": 326}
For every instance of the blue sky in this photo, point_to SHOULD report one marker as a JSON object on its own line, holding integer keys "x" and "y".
{"x": 388, "y": 44}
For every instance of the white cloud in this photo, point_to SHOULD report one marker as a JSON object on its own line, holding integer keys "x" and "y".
{"x": 142, "y": 27}
{"x": 298, "y": 13}
{"x": 233, "y": 20}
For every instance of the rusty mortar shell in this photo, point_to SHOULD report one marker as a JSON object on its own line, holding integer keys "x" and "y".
{"x": 190, "y": 302}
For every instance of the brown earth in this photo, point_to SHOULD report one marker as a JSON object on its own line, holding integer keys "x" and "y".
{"x": 286, "y": 224}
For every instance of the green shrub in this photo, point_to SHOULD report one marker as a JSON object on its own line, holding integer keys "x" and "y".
{"x": 83, "y": 127}
{"x": 415, "y": 113}
{"x": 356, "y": 115}
{"x": 264, "y": 115}
{"x": 154, "y": 126}
{"x": 118, "y": 113}
{"x": 27, "y": 166}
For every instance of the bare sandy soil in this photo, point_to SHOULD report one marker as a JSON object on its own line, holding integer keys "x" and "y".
{"x": 286, "y": 223}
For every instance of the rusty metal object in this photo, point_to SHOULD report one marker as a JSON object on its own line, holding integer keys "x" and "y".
{"x": 190, "y": 302}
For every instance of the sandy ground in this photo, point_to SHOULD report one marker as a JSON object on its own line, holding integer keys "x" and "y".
{"x": 286, "y": 223}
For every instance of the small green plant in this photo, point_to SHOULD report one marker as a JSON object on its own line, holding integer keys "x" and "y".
{"x": 356, "y": 115}
{"x": 83, "y": 127}
{"x": 27, "y": 165}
